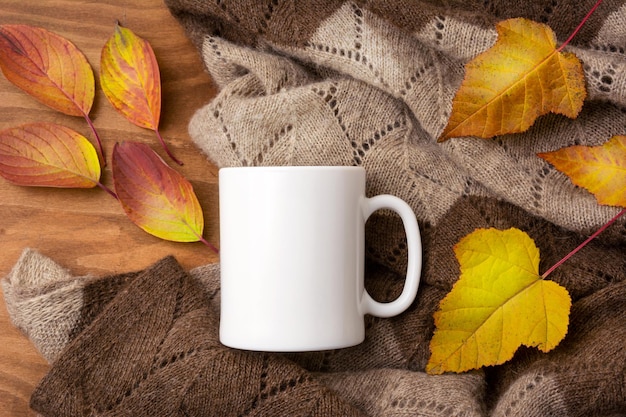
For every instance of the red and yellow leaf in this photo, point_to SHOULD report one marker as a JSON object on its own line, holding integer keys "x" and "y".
{"x": 48, "y": 67}
{"x": 130, "y": 78}
{"x": 599, "y": 169}
{"x": 154, "y": 196}
{"x": 498, "y": 304}
{"x": 48, "y": 155}
{"x": 523, "y": 76}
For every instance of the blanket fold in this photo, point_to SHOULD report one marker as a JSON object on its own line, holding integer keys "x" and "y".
{"x": 367, "y": 83}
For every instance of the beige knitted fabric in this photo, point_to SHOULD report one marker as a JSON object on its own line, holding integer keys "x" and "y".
{"x": 49, "y": 325}
{"x": 371, "y": 84}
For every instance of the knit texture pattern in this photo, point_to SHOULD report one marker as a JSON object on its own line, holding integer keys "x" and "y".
{"x": 366, "y": 83}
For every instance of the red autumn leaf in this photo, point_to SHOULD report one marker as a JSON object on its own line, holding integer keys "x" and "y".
{"x": 48, "y": 67}
{"x": 154, "y": 196}
{"x": 48, "y": 155}
{"x": 130, "y": 79}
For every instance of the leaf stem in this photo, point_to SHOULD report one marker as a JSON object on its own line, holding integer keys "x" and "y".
{"x": 580, "y": 25}
{"x": 209, "y": 245}
{"x": 107, "y": 189}
{"x": 95, "y": 133}
{"x": 582, "y": 245}
{"x": 201, "y": 238}
{"x": 166, "y": 148}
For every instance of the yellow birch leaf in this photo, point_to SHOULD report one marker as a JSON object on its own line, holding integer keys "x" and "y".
{"x": 599, "y": 169}
{"x": 521, "y": 77}
{"x": 498, "y": 304}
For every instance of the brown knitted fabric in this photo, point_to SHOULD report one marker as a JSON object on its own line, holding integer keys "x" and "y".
{"x": 154, "y": 333}
{"x": 153, "y": 351}
{"x": 366, "y": 83}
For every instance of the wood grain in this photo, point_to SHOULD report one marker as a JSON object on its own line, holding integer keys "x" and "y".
{"x": 86, "y": 231}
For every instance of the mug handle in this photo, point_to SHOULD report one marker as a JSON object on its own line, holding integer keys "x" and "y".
{"x": 414, "y": 249}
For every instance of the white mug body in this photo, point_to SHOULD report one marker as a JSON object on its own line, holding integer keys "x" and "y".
{"x": 292, "y": 257}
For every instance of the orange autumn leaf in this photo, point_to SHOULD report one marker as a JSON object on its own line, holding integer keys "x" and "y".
{"x": 48, "y": 67}
{"x": 498, "y": 304}
{"x": 154, "y": 196}
{"x": 599, "y": 169}
{"x": 523, "y": 76}
{"x": 48, "y": 155}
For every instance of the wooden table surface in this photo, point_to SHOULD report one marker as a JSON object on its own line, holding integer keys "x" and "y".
{"x": 86, "y": 231}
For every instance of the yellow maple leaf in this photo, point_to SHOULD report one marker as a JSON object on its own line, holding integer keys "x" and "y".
{"x": 599, "y": 169}
{"x": 521, "y": 77}
{"x": 498, "y": 304}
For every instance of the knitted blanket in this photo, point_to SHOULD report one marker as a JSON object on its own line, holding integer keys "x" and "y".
{"x": 367, "y": 83}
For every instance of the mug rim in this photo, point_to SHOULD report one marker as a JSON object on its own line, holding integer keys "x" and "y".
{"x": 294, "y": 168}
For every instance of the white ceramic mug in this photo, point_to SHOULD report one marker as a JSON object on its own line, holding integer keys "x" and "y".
{"x": 292, "y": 243}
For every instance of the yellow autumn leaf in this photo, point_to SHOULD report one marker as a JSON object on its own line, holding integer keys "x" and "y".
{"x": 498, "y": 304}
{"x": 599, "y": 169}
{"x": 131, "y": 80}
{"x": 523, "y": 76}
